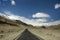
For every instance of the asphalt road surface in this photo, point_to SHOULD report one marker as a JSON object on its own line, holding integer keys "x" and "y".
{"x": 27, "y": 35}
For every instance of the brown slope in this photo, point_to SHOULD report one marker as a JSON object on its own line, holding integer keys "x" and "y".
{"x": 4, "y": 20}
{"x": 54, "y": 26}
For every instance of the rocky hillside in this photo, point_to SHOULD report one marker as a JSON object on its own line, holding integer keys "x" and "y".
{"x": 6, "y": 20}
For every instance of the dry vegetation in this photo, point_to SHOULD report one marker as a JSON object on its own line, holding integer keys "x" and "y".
{"x": 46, "y": 34}
{"x": 9, "y": 30}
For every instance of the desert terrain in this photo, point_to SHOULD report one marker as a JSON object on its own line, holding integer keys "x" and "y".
{"x": 10, "y": 30}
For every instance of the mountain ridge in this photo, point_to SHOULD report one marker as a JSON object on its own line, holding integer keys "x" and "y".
{"x": 4, "y": 19}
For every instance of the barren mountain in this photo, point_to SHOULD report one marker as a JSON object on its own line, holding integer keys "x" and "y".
{"x": 10, "y": 29}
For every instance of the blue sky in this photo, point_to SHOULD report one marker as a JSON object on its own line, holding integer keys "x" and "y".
{"x": 28, "y": 8}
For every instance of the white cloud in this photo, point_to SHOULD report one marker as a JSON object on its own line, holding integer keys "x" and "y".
{"x": 13, "y": 17}
{"x": 41, "y": 14}
{"x": 8, "y": 13}
{"x": 57, "y": 6}
{"x": 1, "y": 14}
{"x": 54, "y": 22}
{"x": 41, "y": 17}
{"x": 41, "y": 20}
{"x": 13, "y": 2}
{"x": 31, "y": 21}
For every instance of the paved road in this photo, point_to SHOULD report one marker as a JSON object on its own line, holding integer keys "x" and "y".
{"x": 26, "y": 35}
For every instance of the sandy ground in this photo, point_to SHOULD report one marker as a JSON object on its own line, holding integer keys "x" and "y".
{"x": 46, "y": 34}
{"x": 8, "y": 32}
